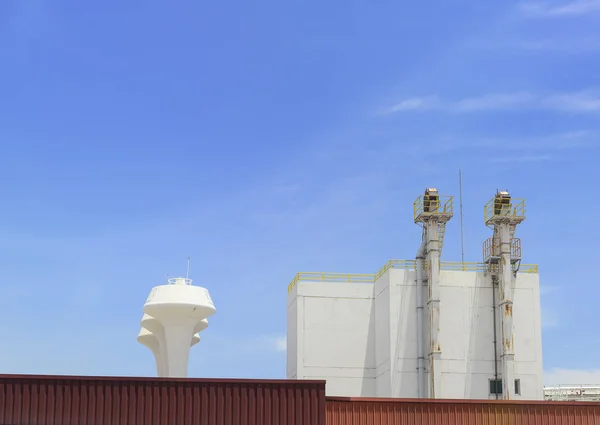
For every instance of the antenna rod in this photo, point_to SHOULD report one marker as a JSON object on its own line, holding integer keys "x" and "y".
{"x": 187, "y": 272}
{"x": 462, "y": 236}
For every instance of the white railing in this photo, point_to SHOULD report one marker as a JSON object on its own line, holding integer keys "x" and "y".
{"x": 572, "y": 393}
{"x": 180, "y": 281}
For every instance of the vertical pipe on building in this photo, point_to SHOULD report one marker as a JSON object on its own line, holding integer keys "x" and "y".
{"x": 495, "y": 336}
{"x": 420, "y": 311}
{"x": 506, "y": 302}
{"x": 435, "y": 350}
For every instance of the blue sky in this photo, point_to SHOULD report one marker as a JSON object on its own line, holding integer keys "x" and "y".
{"x": 262, "y": 139}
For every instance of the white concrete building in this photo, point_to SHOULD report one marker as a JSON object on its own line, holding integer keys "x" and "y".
{"x": 361, "y": 336}
{"x": 362, "y": 333}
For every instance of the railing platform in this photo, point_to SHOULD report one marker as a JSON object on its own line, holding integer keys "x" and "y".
{"x": 396, "y": 264}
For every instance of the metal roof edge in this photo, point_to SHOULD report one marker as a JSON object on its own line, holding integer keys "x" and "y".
{"x": 298, "y": 382}
{"x": 461, "y": 401}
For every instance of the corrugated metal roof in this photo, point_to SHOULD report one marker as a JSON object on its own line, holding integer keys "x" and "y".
{"x": 375, "y": 411}
{"x": 50, "y": 400}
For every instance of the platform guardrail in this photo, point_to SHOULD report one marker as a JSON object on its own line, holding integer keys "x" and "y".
{"x": 397, "y": 264}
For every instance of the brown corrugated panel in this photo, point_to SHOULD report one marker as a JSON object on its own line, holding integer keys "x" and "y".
{"x": 373, "y": 411}
{"x": 66, "y": 400}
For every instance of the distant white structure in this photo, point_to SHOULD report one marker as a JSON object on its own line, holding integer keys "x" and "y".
{"x": 572, "y": 393}
{"x": 425, "y": 328}
{"x": 174, "y": 314}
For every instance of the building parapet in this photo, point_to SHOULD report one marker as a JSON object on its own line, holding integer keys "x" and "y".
{"x": 398, "y": 264}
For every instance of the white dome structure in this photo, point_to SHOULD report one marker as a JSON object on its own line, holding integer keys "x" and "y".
{"x": 174, "y": 313}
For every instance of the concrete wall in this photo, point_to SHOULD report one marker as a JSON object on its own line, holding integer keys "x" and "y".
{"x": 293, "y": 348}
{"x": 362, "y": 338}
{"x": 331, "y": 335}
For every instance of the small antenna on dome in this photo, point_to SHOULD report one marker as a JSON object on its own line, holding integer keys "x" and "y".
{"x": 187, "y": 273}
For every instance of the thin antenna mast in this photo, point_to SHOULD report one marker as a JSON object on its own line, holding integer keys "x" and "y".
{"x": 462, "y": 236}
{"x": 187, "y": 272}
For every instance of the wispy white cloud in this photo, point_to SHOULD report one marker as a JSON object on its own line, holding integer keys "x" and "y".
{"x": 568, "y": 43}
{"x": 560, "y": 45}
{"x": 494, "y": 101}
{"x": 563, "y": 146}
{"x": 549, "y": 318}
{"x": 266, "y": 343}
{"x": 545, "y": 143}
{"x": 559, "y": 376}
{"x": 524, "y": 158}
{"x": 575, "y": 102}
{"x": 280, "y": 343}
{"x": 572, "y": 102}
{"x": 414, "y": 104}
{"x": 548, "y": 289}
{"x": 553, "y": 10}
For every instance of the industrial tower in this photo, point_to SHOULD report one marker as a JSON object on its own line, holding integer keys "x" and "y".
{"x": 147, "y": 337}
{"x": 174, "y": 313}
{"x": 502, "y": 255}
{"x": 432, "y": 212}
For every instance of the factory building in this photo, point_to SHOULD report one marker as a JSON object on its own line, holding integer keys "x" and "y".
{"x": 424, "y": 328}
